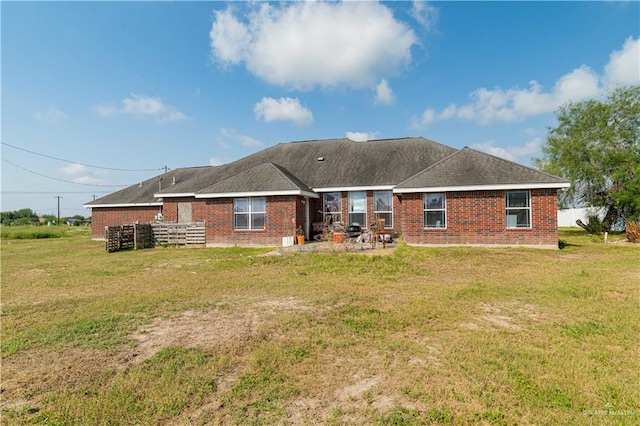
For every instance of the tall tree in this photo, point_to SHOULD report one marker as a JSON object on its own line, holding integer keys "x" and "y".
{"x": 596, "y": 145}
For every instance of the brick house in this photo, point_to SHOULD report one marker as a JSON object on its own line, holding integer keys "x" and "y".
{"x": 430, "y": 193}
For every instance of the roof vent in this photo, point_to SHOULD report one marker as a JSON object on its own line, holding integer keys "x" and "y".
{"x": 174, "y": 181}
{"x": 320, "y": 159}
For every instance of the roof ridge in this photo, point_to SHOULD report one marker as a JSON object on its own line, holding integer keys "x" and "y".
{"x": 514, "y": 162}
{"x": 433, "y": 165}
{"x": 282, "y": 171}
{"x": 235, "y": 175}
{"x": 288, "y": 175}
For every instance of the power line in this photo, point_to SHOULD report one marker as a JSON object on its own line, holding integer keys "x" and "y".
{"x": 62, "y": 180}
{"x": 54, "y": 192}
{"x": 76, "y": 162}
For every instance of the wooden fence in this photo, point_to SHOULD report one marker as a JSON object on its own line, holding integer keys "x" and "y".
{"x": 147, "y": 236}
{"x": 128, "y": 237}
{"x": 187, "y": 234}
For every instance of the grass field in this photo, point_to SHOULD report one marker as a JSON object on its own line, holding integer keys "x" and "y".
{"x": 415, "y": 336}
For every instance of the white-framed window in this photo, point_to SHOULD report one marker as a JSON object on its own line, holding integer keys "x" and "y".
{"x": 358, "y": 208}
{"x": 435, "y": 210}
{"x": 332, "y": 206}
{"x": 383, "y": 207}
{"x": 518, "y": 209}
{"x": 249, "y": 213}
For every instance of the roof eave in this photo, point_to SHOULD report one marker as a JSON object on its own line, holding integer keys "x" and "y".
{"x": 257, "y": 194}
{"x": 354, "y": 188}
{"x": 176, "y": 194}
{"x": 156, "y": 203}
{"x": 496, "y": 187}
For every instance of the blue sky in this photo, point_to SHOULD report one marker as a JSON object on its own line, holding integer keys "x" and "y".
{"x": 143, "y": 85}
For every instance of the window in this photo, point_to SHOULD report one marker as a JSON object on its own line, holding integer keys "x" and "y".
{"x": 333, "y": 206}
{"x": 435, "y": 210}
{"x": 358, "y": 208}
{"x": 249, "y": 213}
{"x": 518, "y": 209}
{"x": 383, "y": 207}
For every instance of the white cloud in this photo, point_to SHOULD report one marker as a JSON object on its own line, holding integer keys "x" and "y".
{"x": 82, "y": 174}
{"x": 580, "y": 84}
{"x": 141, "y": 105}
{"x": 74, "y": 169}
{"x": 512, "y": 105}
{"x": 491, "y": 105}
{"x": 624, "y": 64}
{"x": 216, "y": 161}
{"x": 305, "y": 44}
{"x": 249, "y": 142}
{"x": 428, "y": 117}
{"x": 283, "y": 109}
{"x": 448, "y": 112}
{"x": 51, "y": 115}
{"x": 511, "y": 153}
{"x": 361, "y": 136}
{"x": 89, "y": 180}
{"x": 230, "y": 38}
{"x": 229, "y": 138}
{"x": 384, "y": 94}
{"x": 425, "y": 14}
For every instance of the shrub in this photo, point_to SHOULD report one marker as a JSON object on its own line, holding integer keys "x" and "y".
{"x": 30, "y": 232}
{"x": 595, "y": 224}
{"x": 633, "y": 231}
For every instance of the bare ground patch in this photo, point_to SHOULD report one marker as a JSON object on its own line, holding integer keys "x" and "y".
{"x": 220, "y": 326}
{"x": 37, "y": 372}
{"x": 511, "y": 316}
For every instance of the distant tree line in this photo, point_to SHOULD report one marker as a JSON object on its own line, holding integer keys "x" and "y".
{"x": 29, "y": 217}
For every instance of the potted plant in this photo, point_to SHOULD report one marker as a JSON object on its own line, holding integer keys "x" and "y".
{"x": 300, "y": 235}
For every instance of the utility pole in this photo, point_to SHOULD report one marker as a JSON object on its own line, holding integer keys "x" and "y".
{"x": 166, "y": 169}
{"x": 58, "y": 197}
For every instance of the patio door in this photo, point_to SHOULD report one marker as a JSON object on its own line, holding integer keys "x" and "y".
{"x": 358, "y": 209}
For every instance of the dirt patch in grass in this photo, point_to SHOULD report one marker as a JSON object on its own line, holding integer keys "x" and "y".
{"x": 510, "y": 316}
{"x": 221, "y": 326}
{"x": 39, "y": 371}
{"x": 357, "y": 389}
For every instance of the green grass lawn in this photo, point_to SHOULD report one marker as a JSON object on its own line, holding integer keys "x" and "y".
{"x": 418, "y": 336}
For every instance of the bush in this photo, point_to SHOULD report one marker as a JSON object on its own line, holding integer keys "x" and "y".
{"x": 30, "y": 232}
{"x": 633, "y": 231}
{"x": 596, "y": 226}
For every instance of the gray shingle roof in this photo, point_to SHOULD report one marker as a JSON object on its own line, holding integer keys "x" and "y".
{"x": 469, "y": 167}
{"x": 348, "y": 163}
{"x": 143, "y": 192}
{"x": 410, "y": 162}
{"x": 261, "y": 178}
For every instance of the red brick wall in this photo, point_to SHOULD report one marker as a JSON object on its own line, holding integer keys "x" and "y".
{"x": 198, "y": 208}
{"x": 478, "y": 217}
{"x": 474, "y": 217}
{"x": 115, "y": 216}
{"x": 284, "y": 215}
